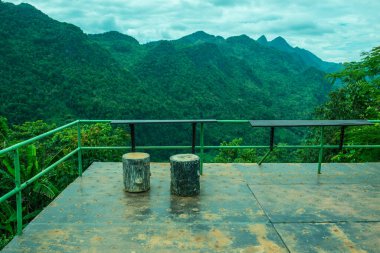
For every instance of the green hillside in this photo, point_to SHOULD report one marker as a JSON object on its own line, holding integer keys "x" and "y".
{"x": 231, "y": 75}
{"x": 50, "y": 70}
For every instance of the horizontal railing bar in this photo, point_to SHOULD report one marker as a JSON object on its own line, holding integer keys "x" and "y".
{"x": 330, "y": 146}
{"x": 163, "y": 121}
{"x": 36, "y": 138}
{"x": 231, "y": 147}
{"x": 218, "y": 121}
{"x": 247, "y": 121}
{"x": 309, "y": 123}
{"x": 361, "y": 146}
{"x": 233, "y": 121}
{"x": 9, "y": 194}
{"x": 104, "y": 147}
{"x": 95, "y": 121}
{"x": 171, "y": 147}
{"x": 137, "y": 147}
{"x": 238, "y": 121}
{"x": 164, "y": 147}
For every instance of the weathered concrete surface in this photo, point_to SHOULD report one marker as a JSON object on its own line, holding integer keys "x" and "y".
{"x": 241, "y": 208}
{"x": 351, "y": 237}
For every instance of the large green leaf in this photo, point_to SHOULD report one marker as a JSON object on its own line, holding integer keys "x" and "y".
{"x": 32, "y": 162}
{"x": 9, "y": 167}
{"x": 45, "y": 188}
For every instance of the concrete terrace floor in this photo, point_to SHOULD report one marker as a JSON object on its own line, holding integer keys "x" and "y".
{"x": 241, "y": 208}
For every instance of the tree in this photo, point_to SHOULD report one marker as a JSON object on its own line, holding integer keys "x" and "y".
{"x": 235, "y": 155}
{"x": 4, "y": 132}
{"x": 359, "y": 98}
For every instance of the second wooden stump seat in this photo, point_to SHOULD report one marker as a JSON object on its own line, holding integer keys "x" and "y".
{"x": 184, "y": 172}
{"x": 136, "y": 171}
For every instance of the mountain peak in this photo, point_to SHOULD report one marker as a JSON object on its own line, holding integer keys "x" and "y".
{"x": 262, "y": 40}
{"x": 281, "y": 44}
{"x": 279, "y": 38}
{"x": 242, "y": 39}
{"x": 24, "y": 9}
{"x": 114, "y": 35}
{"x": 201, "y": 36}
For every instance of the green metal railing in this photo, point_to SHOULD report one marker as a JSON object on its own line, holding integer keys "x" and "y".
{"x": 19, "y": 186}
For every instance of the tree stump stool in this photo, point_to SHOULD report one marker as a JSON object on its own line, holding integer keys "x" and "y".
{"x": 136, "y": 171}
{"x": 184, "y": 172}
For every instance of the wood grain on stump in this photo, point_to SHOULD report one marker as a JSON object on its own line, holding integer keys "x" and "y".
{"x": 136, "y": 171}
{"x": 184, "y": 172}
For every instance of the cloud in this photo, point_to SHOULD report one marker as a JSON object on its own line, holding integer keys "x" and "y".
{"x": 108, "y": 23}
{"x": 229, "y": 2}
{"x": 179, "y": 27}
{"x": 299, "y": 28}
{"x": 335, "y": 30}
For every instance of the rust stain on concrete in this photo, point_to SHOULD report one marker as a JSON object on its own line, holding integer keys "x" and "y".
{"x": 219, "y": 239}
{"x": 348, "y": 244}
{"x": 211, "y": 216}
{"x": 266, "y": 245}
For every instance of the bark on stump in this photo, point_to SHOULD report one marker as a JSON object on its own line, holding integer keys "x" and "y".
{"x": 136, "y": 171}
{"x": 184, "y": 172}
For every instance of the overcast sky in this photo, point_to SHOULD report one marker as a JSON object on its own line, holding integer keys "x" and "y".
{"x": 335, "y": 30}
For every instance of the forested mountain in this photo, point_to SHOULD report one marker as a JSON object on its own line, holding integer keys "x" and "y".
{"x": 53, "y": 71}
{"x": 234, "y": 77}
{"x": 50, "y": 70}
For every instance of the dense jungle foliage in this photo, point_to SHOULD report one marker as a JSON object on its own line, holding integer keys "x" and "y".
{"x": 52, "y": 73}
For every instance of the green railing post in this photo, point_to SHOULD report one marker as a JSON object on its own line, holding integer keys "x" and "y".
{"x": 201, "y": 140}
{"x": 320, "y": 152}
{"x": 79, "y": 150}
{"x": 16, "y": 162}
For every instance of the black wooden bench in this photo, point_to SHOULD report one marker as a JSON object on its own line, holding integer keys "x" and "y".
{"x": 306, "y": 123}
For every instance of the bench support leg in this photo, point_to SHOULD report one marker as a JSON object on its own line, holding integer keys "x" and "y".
{"x": 320, "y": 157}
{"x": 201, "y": 140}
{"x": 133, "y": 140}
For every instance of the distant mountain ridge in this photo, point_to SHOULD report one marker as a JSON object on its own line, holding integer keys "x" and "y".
{"x": 279, "y": 43}
{"x": 306, "y": 56}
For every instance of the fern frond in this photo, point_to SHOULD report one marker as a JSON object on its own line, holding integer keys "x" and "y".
{"x": 32, "y": 214}
{"x": 5, "y": 175}
{"x": 9, "y": 167}
{"x": 7, "y": 212}
{"x": 45, "y": 188}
